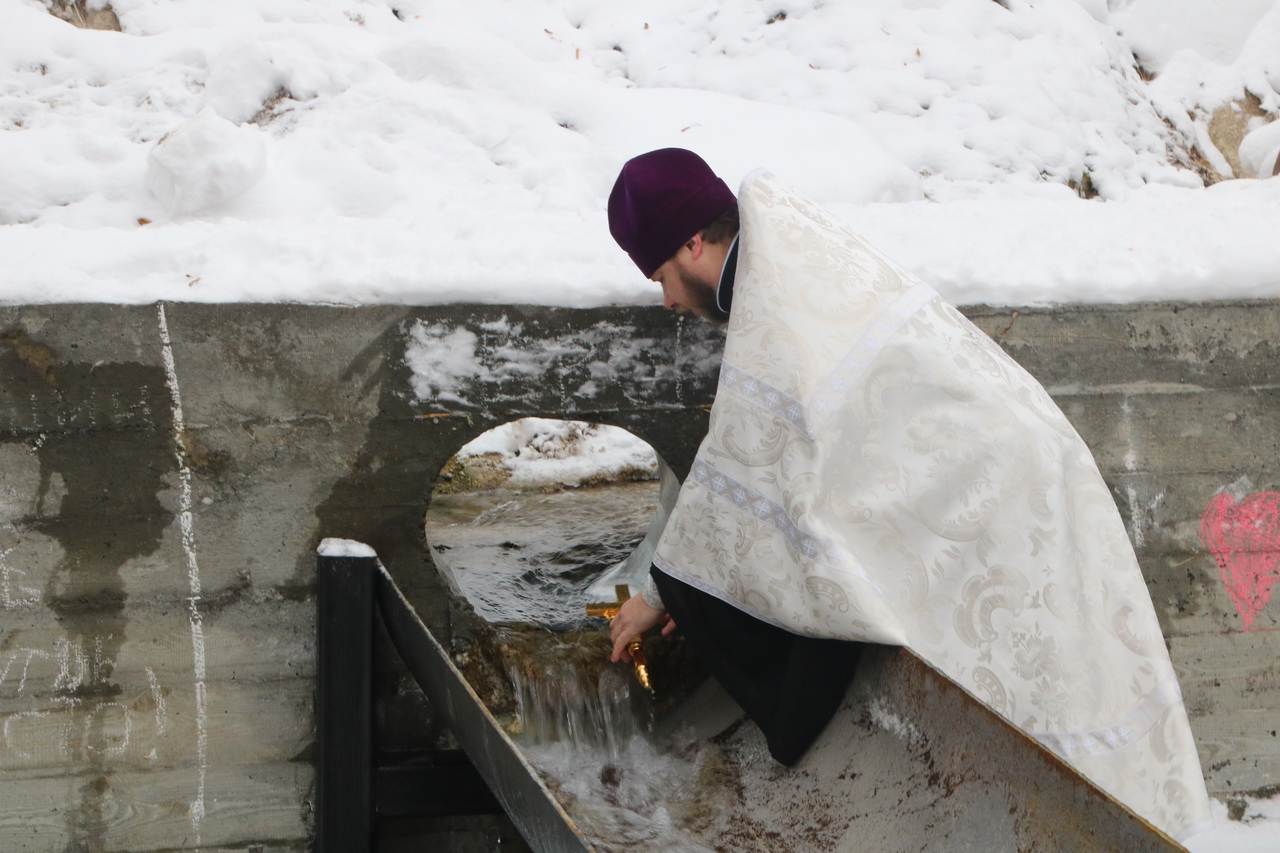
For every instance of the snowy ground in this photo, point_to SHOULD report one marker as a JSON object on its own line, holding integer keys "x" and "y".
{"x": 412, "y": 151}
{"x": 539, "y": 452}
{"x": 1255, "y": 830}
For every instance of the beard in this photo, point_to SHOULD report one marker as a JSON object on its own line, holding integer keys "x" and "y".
{"x": 702, "y": 297}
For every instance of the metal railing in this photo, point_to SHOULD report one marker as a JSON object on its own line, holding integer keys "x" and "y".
{"x": 355, "y": 785}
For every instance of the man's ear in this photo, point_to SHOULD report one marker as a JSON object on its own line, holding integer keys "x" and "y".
{"x": 695, "y": 245}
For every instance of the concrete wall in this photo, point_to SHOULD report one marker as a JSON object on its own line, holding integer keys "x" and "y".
{"x": 1177, "y": 402}
{"x": 165, "y": 472}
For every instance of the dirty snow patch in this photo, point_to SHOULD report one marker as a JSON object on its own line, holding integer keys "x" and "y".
{"x": 886, "y": 719}
{"x": 440, "y": 358}
{"x": 1256, "y": 829}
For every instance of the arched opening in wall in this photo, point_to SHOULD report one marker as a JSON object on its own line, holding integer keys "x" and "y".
{"x": 536, "y": 518}
{"x": 529, "y": 524}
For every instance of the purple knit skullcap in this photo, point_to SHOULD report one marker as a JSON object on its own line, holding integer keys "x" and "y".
{"x": 660, "y": 200}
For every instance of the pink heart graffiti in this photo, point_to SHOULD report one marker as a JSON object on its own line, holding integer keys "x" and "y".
{"x": 1244, "y": 537}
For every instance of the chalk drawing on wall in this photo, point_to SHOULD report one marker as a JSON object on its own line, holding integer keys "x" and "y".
{"x": 70, "y": 674}
{"x": 1243, "y": 535}
{"x": 14, "y": 594}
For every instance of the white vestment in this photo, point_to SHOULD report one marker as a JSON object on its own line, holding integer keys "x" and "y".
{"x": 878, "y": 469}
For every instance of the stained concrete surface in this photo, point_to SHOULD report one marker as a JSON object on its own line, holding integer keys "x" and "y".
{"x": 301, "y": 422}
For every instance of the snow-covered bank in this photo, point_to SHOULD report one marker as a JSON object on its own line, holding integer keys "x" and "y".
{"x": 543, "y": 453}
{"x": 423, "y": 152}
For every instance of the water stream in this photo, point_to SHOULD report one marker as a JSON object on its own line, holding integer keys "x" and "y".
{"x": 526, "y": 561}
{"x": 530, "y": 558}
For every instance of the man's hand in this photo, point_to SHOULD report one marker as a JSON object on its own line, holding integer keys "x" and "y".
{"x": 633, "y": 620}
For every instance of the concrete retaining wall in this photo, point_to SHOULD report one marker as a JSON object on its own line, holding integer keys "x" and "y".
{"x": 165, "y": 472}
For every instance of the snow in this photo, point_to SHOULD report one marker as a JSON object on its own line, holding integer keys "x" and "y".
{"x": 1208, "y": 56}
{"x": 1259, "y": 149}
{"x": 1153, "y": 246}
{"x": 448, "y": 152}
{"x": 1258, "y": 830}
{"x": 344, "y": 548}
{"x": 543, "y": 452}
{"x": 887, "y": 720}
{"x": 203, "y": 163}
{"x": 455, "y": 361}
{"x": 1159, "y": 29}
{"x": 441, "y": 357}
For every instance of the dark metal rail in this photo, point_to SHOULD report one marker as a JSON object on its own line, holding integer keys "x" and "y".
{"x": 352, "y": 786}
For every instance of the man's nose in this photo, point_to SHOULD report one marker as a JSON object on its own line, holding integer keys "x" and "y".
{"x": 668, "y": 299}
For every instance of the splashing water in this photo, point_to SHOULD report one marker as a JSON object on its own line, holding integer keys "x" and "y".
{"x": 563, "y": 703}
{"x": 526, "y": 562}
{"x": 639, "y": 798}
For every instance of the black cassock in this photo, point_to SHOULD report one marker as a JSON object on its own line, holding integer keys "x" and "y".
{"x": 789, "y": 685}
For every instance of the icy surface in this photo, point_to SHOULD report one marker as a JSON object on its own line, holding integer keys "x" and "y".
{"x": 425, "y": 152}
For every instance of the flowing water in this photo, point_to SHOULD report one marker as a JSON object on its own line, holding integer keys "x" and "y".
{"x": 530, "y": 557}
{"x": 526, "y": 561}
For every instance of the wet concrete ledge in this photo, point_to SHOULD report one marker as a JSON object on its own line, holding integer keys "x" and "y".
{"x": 156, "y": 683}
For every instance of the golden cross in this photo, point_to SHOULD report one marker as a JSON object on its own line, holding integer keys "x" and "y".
{"x": 635, "y": 648}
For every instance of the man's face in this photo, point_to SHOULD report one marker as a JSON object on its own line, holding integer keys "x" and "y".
{"x": 686, "y": 285}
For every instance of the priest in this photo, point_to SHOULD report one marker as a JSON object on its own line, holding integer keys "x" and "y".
{"x": 878, "y": 470}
